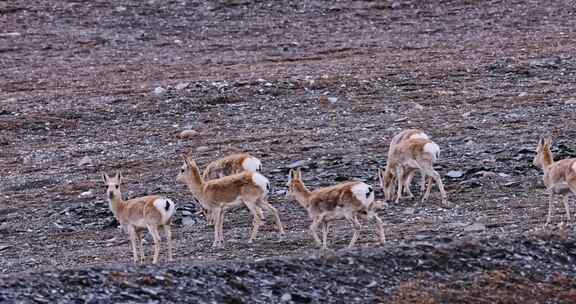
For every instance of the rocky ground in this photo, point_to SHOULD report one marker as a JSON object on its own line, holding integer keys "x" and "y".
{"x": 93, "y": 86}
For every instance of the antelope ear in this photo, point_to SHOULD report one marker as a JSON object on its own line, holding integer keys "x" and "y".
{"x": 105, "y": 177}
{"x": 118, "y": 176}
{"x": 299, "y": 173}
{"x": 291, "y": 174}
{"x": 185, "y": 159}
{"x": 548, "y": 142}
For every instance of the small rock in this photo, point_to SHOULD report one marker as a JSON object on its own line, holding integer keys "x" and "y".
{"x": 486, "y": 174}
{"x": 181, "y": 86}
{"x": 418, "y": 106}
{"x": 332, "y": 99}
{"x": 203, "y": 149}
{"x": 186, "y": 213}
{"x": 188, "y": 134}
{"x": 296, "y": 164}
{"x": 570, "y": 102}
{"x": 409, "y": 211}
{"x": 12, "y": 34}
{"x": 476, "y": 227}
{"x": 455, "y": 173}
{"x": 159, "y": 91}
{"x": 121, "y": 9}
{"x": 188, "y": 221}
{"x": 88, "y": 193}
{"x": 286, "y": 297}
{"x": 85, "y": 161}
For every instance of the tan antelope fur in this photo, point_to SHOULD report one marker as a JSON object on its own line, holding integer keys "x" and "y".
{"x": 147, "y": 212}
{"x": 342, "y": 201}
{"x": 407, "y": 156}
{"x": 229, "y": 165}
{"x": 559, "y": 176}
{"x": 249, "y": 188}
{"x": 232, "y": 164}
{"x": 388, "y": 177}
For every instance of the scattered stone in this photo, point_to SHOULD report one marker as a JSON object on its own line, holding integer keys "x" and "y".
{"x": 418, "y": 106}
{"x": 85, "y": 161}
{"x": 181, "y": 86}
{"x": 203, "y": 149}
{"x": 570, "y": 102}
{"x": 159, "y": 91}
{"x": 88, "y": 193}
{"x": 476, "y": 227}
{"x": 10, "y": 35}
{"x": 188, "y": 221}
{"x": 409, "y": 211}
{"x": 487, "y": 174}
{"x": 455, "y": 173}
{"x": 187, "y": 134}
{"x": 296, "y": 164}
{"x": 286, "y": 297}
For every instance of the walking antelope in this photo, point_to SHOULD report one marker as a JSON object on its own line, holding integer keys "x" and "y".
{"x": 388, "y": 177}
{"x": 249, "y": 188}
{"x": 342, "y": 201}
{"x": 229, "y": 165}
{"x": 416, "y": 154}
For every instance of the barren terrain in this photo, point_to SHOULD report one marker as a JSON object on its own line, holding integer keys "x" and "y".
{"x": 98, "y": 86}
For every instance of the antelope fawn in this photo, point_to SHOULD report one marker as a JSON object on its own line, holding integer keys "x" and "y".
{"x": 341, "y": 201}
{"x": 407, "y": 157}
{"x": 228, "y": 165}
{"x": 150, "y": 212}
{"x": 249, "y": 188}
{"x": 559, "y": 176}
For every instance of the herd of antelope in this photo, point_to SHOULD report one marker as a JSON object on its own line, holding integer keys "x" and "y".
{"x": 235, "y": 181}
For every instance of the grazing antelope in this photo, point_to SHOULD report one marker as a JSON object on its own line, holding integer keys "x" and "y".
{"x": 150, "y": 212}
{"x": 342, "y": 201}
{"x": 405, "y": 158}
{"x": 388, "y": 176}
{"x": 228, "y": 165}
{"x": 249, "y": 188}
{"x": 559, "y": 176}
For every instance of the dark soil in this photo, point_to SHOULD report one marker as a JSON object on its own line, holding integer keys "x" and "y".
{"x": 98, "y": 86}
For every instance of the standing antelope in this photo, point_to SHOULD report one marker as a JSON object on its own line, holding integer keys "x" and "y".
{"x": 559, "y": 176}
{"x": 229, "y": 165}
{"x": 136, "y": 214}
{"x": 406, "y": 157}
{"x": 388, "y": 176}
{"x": 341, "y": 201}
{"x": 249, "y": 188}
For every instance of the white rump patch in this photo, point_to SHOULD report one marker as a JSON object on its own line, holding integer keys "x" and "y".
{"x": 364, "y": 193}
{"x": 161, "y": 204}
{"x": 420, "y": 135}
{"x": 433, "y": 149}
{"x": 260, "y": 181}
{"x": 252, "y": 164}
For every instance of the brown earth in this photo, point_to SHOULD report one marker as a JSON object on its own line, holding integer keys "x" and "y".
{"x": 97, "y": 86}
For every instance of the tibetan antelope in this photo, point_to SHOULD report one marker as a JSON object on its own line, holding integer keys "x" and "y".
{"x": 388, "y": 176}
{"x": 147, "y": 212}
{"x": 342, "y": 201}
{"x": 416, "y": 154}
{"x": 249, "y": 188}
{"x": 229, "y": 165}
{"x": 559, "y": 176}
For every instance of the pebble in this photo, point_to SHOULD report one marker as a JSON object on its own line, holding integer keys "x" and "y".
{"x": 188, "y": 134}
{"x": 476, "y": 227}
{"x": 85, "y": 161}
{"x": 159, "y": 91}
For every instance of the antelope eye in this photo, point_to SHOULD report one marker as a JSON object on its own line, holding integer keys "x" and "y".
{"x": 117, "y": 186}
{"x": 182, "y": 170}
